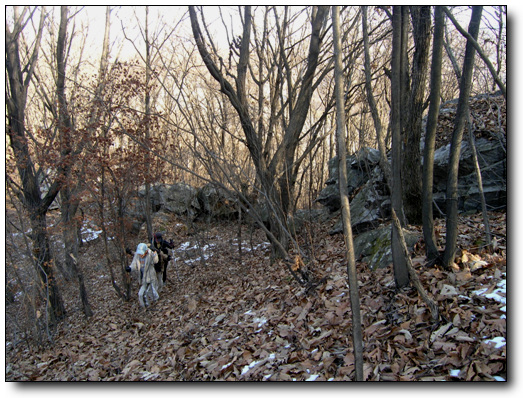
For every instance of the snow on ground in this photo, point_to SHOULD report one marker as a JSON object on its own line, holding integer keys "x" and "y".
{"x": 89, "y": 234}
{"x": 180, "y": 253}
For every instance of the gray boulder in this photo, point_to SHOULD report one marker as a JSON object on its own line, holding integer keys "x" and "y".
{"x": 369, "y": 196}
{"x": 368, "y": 191}
{"x": 359, "y": 168}
{"x": 492, "y": 160}
{"x": 180, "y": 199}
{"x": 374, "y": 247}
{"x": 216, "y": 203}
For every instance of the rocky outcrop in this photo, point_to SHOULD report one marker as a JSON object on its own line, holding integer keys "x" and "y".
{"x": 492, "y": 160}
{"x": 368, "y": 191}
{"x": 216, "y": 203}
{"x": 180, "y": 199}
{"x": 374, "y": 247}
{"x": 369, "y": 196}
{"x": 359, "y": 167}
{"x": 370, "y": 204}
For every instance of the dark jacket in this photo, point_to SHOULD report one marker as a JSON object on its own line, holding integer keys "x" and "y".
{"x": 161, "y": 245}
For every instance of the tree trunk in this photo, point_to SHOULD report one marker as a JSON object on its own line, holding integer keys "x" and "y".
{"x": 401, "y": 274}
{"x": 384, "y": 163}
{"x": 277, "y": 177}
{"x": 411, "y": 163}
{"x": 473, "y": 42}
{"x": 457, "y": 137}
{"x": 413, "y": 275}
{"x": 450, "y": 54}
{"x": 69, "y": 203}
{"x": 29, "y": 193}
{"x": 147, "y": 204}
{"x": 45, "y": 268}
{"x": 357, "y": 334}
{"x": 430, "y": 138}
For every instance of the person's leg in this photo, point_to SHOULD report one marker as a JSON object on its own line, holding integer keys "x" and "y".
{"x": 141, "y": 295}
{"x": 165, "y": 263}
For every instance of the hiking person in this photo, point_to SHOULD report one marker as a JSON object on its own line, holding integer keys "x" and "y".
{"x": 144, "y": 264}
{"x": 161, "y": 246}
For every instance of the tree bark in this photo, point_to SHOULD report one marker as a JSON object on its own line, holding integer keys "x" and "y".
{"x": 401, "y": 275}
{"x": 430, "y": 138}
{"x": 147, "y": 199}
{"x": 479, "y": 179}
{"x": 18, "y": 79}
{"x": 457, "y": 137}
{"x": 421, "y": 22}
{"x": 450, "y": 54}
{"x": 384, "y": 163}
{"x": 357, "y": 334}
{"x": 70, "y": 204}
{"x": 413, "y": 275}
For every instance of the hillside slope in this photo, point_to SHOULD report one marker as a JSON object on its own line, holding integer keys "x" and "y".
{"x": 221, "y": 320}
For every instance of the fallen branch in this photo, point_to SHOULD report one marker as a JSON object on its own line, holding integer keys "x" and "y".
{"x": 412, "y": 272}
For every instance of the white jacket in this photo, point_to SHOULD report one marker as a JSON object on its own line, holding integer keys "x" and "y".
{"x": 148, "y": 275}
{"x": 149, "y": 280}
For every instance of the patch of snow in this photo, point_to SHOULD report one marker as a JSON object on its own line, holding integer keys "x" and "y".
{"x": 261, "y": 321}
{"x": 91, "y": 234}
{"x": 480, "y": 291}
{"x": 246, "y": 368}
{"x": 497, "y": 341}
{"x": 454, "y": 372}
{"x": 497, "y": 295}
{"x": 227, "y": 365}
{"x": 246, "y": 247}
{"x": 149, "y": 376}
{"x": 312, "y": 377}
{"x": 186, "y": 246}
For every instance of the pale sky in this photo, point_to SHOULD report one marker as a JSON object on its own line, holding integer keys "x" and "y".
{"x": 165, "y": 17}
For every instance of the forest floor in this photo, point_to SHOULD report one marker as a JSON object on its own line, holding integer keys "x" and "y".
{"x": 219, "y": 319}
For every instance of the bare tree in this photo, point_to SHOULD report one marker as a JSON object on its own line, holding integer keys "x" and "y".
{"x": 277, "y": 175}
{"x": 413, "y": 110}
{"x": 28, "y": 189}
{"x": 70, "y": 200}
{"x": 430, "y": 137}
{"x": 153, "y": 45}
{"x": 384, "y": 163}
{"x": 357, "y": 334}
{"x": 457, "y": 137}
{"x": 473, "y": 42}
{"x": 401, "y": 274}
